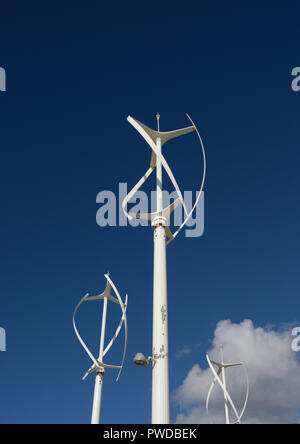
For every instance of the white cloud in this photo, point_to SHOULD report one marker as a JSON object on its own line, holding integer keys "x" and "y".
{"x": 274, "y": 377}
{"x": 185, "y": 351}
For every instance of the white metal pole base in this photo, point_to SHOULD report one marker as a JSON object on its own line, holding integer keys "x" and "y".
{"x": 97, "y": 398}
{"x": 160, "y": 368}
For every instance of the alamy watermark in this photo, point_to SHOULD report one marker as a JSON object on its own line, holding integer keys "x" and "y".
{"x": 2, "y": 79}
{"x": 111, "y": 214}
{"x": 296, "y": 342}
{"x": 2, "y": 340}
{"x": 296, "y": 80}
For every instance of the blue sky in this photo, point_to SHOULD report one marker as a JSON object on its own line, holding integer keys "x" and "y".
{"x": 74, "y": 72}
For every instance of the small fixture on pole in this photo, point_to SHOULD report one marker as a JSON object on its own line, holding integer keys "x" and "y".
{"x": 222, "y": 383}
{"x": 98, "y": 365}
{"x": 140, "y": 359}
{"x": 162, "y": 237}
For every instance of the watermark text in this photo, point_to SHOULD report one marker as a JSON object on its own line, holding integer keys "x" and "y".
{"x": 2, "y": 79}
{"x": 296, "y": 80}
{"x": 296, "y": 341}
{"x": 110, "y": 212}
{"x": 2, "y": 340}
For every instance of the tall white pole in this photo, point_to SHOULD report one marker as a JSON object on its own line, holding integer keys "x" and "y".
{"x": 100, "y": 372}
{"x": 160, "y": 368}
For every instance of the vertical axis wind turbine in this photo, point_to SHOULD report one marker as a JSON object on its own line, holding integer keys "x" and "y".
{"x": 222, "y": 383}
{"x": 162, "y": 237}
{"x": 98, "y": 365}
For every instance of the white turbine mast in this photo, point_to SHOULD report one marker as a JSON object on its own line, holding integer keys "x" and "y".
{"x": 162, "y": 237}
{"x": 98, "y": 365}
{"x": 221, "y": 367}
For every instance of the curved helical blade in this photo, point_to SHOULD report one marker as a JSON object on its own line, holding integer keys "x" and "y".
{"x": 201, "y": 188}
{"x": 172, "y": 177}
{"x": 223, "y": 388}
{"x": 134, "y": 190}
{"x": 97, "y": 364}
{"x": 124, "y": 319}
{"x": 247, "y": 393}
{"x": 210, "y": 389}
{"x": 165, "y": 164}
{"x": 117, "y": 330}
